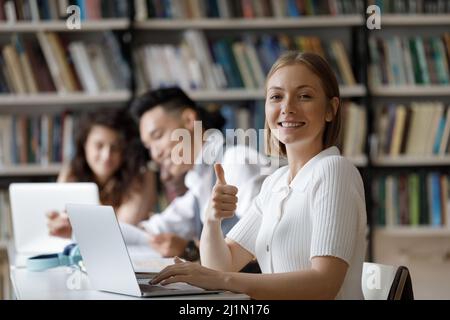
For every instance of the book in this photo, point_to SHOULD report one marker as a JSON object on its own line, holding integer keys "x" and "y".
{"x": 28, "y": 75}
{"x": 50, "y": 58}
{"x": 397, "y": 134}
{"x": 445, "y": 134}
{"x": 83, "y": 67}
{"x": 14, "y": 68}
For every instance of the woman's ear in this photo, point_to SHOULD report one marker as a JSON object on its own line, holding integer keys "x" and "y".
{"x": 332, "y": 110}
{"x": 188, "y": 118}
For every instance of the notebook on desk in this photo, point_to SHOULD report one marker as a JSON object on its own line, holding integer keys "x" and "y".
{"x": 107, "y": 259}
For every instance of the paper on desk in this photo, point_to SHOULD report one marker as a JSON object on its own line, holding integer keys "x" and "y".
{"x": 139, "y": 253}
{"x": 151, "y": 265}
{"x": 133, "y": 236}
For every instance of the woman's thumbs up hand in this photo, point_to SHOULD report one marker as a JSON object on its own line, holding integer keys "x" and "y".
{"x": 223, "y": 198}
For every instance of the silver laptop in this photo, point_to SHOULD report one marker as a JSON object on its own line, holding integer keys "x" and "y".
{"x": 29, "y": 204}
{"x": 106, "y": 258}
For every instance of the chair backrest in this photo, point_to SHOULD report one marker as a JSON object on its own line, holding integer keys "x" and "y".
{"x": 384, "y": 282}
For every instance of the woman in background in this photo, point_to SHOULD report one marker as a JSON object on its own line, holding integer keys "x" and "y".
{"x": 108, "y": 152}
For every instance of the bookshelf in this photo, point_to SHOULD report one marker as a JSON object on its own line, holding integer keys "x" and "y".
{"x": 65, "y": 65}
{"x": 409, "y": 188}
{"x": 256, "y": 23}
{"x": 54, "y": 168}
{"x": 415, "y": 20}
{"x": 359, "y": 161}
{"x": 60, "y": 26}
{"x": 30, "y": 170}
{"x": 10, "y": 102}
{"x": 410, "y": 91}
{"x": 66, "y": 99}
{"x": 407, "y": 231}
{"x": 411, "y": 161}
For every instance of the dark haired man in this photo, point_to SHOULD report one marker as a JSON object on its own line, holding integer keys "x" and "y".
{"x": 165, "y": 116}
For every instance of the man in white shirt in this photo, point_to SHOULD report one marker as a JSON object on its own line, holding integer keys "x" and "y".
{"x": 162, "y": 114}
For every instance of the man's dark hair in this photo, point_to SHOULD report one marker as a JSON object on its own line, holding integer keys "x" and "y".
{"x": 175, "y": 100}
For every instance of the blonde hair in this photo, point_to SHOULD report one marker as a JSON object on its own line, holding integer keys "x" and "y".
{"x": 322, "y": 69}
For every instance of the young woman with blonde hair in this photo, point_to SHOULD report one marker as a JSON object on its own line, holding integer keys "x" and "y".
{"x": 307, "y": 226}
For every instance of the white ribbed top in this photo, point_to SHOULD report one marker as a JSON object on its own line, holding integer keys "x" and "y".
{"x": 321, "y": 212}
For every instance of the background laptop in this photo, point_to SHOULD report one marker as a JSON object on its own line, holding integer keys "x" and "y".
{"x": 29, "y": 204}
{"x": 106, "y": 258}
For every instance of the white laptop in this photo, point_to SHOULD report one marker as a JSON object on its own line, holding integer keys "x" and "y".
{"x": 106, "y": 258}
{"x": 30, "y": 203}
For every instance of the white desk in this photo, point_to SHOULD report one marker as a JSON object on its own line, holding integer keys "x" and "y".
{"x": 52, "y": 285}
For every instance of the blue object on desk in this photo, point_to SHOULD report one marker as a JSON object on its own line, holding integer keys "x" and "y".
{"x": 70, "y": 256}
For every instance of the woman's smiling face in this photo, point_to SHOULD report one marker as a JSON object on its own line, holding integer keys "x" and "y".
{"x": 296, "y": 106}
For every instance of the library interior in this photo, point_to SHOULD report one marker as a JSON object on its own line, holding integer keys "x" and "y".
{"x": 60, "y": 59}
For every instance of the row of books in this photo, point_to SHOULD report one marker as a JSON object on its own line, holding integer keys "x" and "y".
{"x": 48, "y": 138}
{"x": 407, "y": 61}
{"x": 228, "y": 62}
{"x": 412, "y": 199}
{"x": 241, "y": 116}
{"x": 422, "y": 128}
{"x": 36, "y": 10}
{"x": 354, "y": 129}
{"x": 54, "y": 64}
{"x": 248, "y": 9}
{"x": 412, "y": 6}
{"x": 37, "y": 139}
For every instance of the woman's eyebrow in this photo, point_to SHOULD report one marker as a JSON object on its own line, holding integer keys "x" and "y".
{"x": 306, "y": 86}
{"x": 276, "y": 88}
{"x": 299, "y": 87}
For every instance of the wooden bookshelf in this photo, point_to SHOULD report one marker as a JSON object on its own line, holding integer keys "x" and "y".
{"x": 54, "y": 169}
{"x": 60, "y": 26}
{"x": 352, "y": 91}
{"x": 66, "y": 99}
{"x": 359, "y": 161}
{"x": 257, "y": 23}
{"x": 411, "y": 161}
{"x": 415, "y": 19}
{"x": 227, "y": 94}
{"x": 410, "y": 91}
{"x": 30, "y": 170}
{"x": 413, "y": 231}
{"x": 258, "y": 94}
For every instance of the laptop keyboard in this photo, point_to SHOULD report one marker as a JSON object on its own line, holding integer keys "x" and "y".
{"x": 154, "y": 288}
{"x": 145, "y": 286}
{"x": 144, "y": 281}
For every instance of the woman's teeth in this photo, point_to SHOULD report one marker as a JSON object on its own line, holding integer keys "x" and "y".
{"x": 291, "y": 124}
